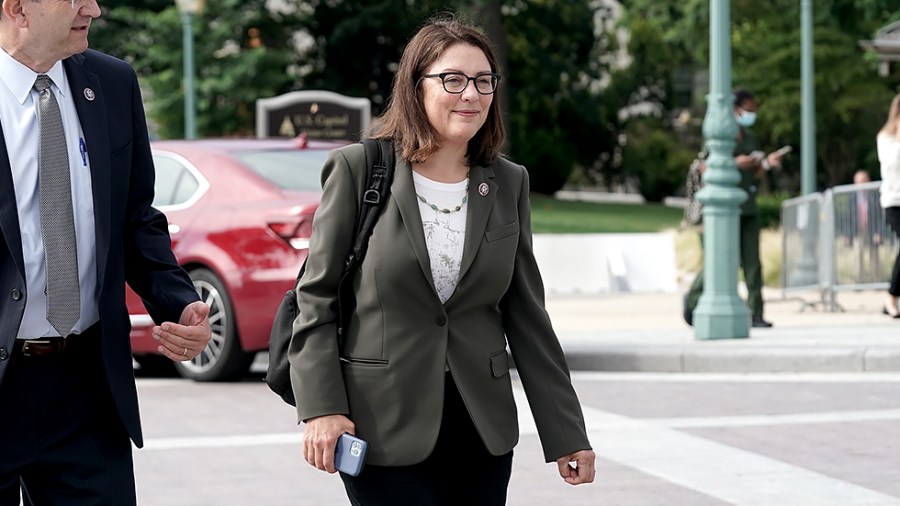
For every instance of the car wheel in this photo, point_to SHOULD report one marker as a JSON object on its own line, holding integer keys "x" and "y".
{"x": 222, "y": 359}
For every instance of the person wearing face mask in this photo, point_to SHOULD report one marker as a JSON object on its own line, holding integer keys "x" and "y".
{"x": 448, "y": 283}
{"x": 751, "y": 163}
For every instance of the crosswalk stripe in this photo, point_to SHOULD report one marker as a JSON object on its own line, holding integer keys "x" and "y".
{"x": 657, "y": 447}
{"x": 731, "y": 474}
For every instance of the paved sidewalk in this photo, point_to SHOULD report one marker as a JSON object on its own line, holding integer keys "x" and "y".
{"x": 645, "y": 332}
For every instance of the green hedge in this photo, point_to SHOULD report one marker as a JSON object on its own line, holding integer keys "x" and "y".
{"x": 770, "y": 208}
{"x": 653, "y": 156}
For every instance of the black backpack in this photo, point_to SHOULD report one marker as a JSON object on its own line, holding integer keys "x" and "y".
{"x": 379, "y": 173}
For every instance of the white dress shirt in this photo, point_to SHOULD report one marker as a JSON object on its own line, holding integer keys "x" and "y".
{"x": 18, "y": 117}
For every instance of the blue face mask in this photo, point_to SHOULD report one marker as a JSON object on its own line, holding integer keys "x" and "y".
{"x": 746, "y": 119}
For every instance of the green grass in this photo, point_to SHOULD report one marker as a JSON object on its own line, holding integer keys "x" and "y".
{"x": 551, "y": 216}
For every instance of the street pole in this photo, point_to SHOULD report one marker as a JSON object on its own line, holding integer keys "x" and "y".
{"x": 807, "y": 266}
{"x": 190, "y": 127}
{"x": 720, "y": 312}
{"x": 808, "y": 102}
{"x": 188, "y": 9}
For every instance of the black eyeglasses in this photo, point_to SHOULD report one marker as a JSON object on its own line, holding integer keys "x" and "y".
{"x": 457, "y": 82}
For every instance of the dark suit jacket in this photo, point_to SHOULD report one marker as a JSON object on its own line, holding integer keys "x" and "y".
{"x": 132, "y": 238}
{"x": 389, "y": 377}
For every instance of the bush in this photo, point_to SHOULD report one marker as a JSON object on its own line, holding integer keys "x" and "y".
{"x": 653, "y": 157}
{"x": 549, "y": 157}
{"x": 770, "y": 208}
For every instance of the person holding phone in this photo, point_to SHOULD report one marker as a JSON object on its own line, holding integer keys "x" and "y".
{"x": 751, "y": 162}
{"x": 888, "y": 144}
{"x": 448, "y": 283}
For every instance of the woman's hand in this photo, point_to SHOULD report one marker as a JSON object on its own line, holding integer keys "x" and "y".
{"x": 582, "y": 471}
{"x": 320, "y": 439}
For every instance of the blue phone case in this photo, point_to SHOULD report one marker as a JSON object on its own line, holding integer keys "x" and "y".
{"x": 350, "y": 454}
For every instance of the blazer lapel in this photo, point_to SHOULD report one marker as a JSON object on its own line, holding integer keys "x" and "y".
{"x": 480, "y": 205}
{"x": 9, "y": 213}
{"x": 403, "y": 190}
{"x": 87, "y": 93}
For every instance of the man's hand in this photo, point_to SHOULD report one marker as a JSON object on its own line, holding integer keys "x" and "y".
{"x": 186, "y": 339}
{"x": 583, "y": 469}
{"x": 320, "y": 439}
{"x": 749, "y": 162}
{"x": 773, "y": 159}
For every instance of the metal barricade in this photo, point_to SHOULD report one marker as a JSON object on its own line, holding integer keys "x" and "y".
{"x": 800, "y": 260}
{"x": 836, "y": 241}
{"x": 864, "y": 246}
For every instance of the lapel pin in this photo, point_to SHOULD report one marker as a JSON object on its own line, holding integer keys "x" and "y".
{"x": 89, "y": 94}
{"x": 483, "y": 189}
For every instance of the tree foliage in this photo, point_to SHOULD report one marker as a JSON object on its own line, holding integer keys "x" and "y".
{"x": 547, "y": 48}
{"x": 555, "y": 118}
{"x": 242, "y": 51}
{"x": 578, "y": 92}
{"x": 851, "y": 99}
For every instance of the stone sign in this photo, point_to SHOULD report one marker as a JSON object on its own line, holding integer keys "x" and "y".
{"x": 323, "y": 115}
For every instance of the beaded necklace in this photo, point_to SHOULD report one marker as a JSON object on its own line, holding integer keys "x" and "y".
{"x": 445, "y": 210}
{"x": 442, "y": 209}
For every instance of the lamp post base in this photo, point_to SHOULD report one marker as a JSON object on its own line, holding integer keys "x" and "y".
{"x": 722, "y": 317}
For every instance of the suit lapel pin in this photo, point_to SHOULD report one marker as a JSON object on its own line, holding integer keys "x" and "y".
{"x": 483, "y": 189}
{"x": 89, "y": 94}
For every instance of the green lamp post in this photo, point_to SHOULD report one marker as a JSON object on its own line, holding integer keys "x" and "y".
{"x": 720, "y": 312}
{"x": 808, "y": 101}
{"x": 188, "y": 9}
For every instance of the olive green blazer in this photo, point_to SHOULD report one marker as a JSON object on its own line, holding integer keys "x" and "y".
{"x": 389, "y": 376}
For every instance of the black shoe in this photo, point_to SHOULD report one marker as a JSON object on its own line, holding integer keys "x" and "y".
{"x": 758, "y": 322}
{"x": 687, "y": 312}
{"x": 886, "y": 311}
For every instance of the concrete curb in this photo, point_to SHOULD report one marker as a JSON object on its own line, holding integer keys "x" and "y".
{"x": 736, "y": 359}
{"x": 645, "y": 333}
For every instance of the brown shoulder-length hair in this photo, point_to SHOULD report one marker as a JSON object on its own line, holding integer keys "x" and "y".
{"x": 892, "y": 126}
{"x": 405, "y": 120}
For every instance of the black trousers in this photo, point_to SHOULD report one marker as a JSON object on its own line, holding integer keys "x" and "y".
{"x": 63, "y": 442}
{"x": 892, "y": 216}
{"x": 750, "y": 227}
{"x": 459, "y": 471}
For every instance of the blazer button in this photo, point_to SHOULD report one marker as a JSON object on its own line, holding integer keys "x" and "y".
{"x": 15, "y": 294}
{"x": 441, "y": 320}
{"x": 3, "y": 354}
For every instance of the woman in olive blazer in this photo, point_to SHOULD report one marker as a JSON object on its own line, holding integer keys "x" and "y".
{"x": 412, "y": 366}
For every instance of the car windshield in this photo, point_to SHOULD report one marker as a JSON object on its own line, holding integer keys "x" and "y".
{"x": 297, "y": 170}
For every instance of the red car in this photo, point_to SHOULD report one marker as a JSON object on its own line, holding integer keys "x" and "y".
{"x": 240, "y": 215}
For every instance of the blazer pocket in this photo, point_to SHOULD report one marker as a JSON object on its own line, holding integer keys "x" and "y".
{"x": 118, "y": 151}
{"x": 502, "y": 232}
{"x": 499, "y": 363}
{"x": 367, "y": 362}
{"x": 120, "y": 159}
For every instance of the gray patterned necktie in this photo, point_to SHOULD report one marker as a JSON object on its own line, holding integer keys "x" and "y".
{"x": 57, "y": 219}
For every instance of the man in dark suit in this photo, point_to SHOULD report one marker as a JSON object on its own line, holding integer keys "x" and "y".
{"x": 68, "y": 403}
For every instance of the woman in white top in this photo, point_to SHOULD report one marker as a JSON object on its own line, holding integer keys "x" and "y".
{"x": 889, "y": 157}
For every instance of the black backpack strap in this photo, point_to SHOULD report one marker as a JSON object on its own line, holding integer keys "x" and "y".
{"x": 379, "y": 174}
